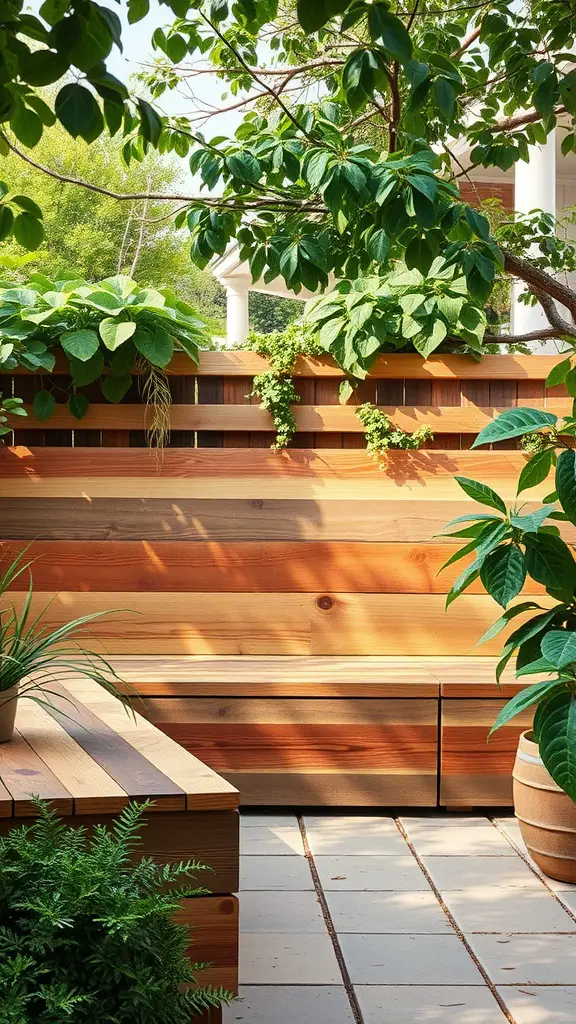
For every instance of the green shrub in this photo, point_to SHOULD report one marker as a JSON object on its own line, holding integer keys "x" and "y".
{"x": 86, "y": 932}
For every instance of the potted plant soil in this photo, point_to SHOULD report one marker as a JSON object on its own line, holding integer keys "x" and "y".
{"x": 34, "y": 658}
{"x": 506, "y": 546}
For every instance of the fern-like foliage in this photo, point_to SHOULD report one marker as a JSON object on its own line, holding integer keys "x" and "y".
{"x": 87, "y": 934}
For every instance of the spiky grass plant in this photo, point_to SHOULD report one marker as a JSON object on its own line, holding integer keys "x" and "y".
{"x": 34, "y": 656}
{"x": 87, "y": 933}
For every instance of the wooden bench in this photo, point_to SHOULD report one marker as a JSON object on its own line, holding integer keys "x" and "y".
{"x": 97, "y": 757}
{"x": 338, "y": 731}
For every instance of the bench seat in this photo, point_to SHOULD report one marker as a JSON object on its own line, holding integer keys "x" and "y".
{"x": 337, "y": 731}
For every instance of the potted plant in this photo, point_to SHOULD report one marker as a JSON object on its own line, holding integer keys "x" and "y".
{"x": 33, "y": 658}
{"x": 88, "y": 933}
{"x": 507, "y": 545}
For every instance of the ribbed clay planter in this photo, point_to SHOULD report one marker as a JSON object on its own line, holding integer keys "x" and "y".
{"x": 8, "y": 705}
{"x": 547, "y": 815}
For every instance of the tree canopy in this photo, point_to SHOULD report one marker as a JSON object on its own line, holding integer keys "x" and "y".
{"x": 360, "y": 121}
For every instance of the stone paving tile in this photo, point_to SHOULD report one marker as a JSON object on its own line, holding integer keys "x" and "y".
{"x": 451, "y": 873}
{"x": 527, "y": 959}
{"x": 507, "y": 910}
{"x": 271, "y": 959}
{"x": 290, "y": 1004}
{"x": 408, "y": 960}
{"x": 436, "y": 1004}
{"x": 512, "y": 828}
{"x": 540, "y": 1005}
{"x": 568, "y": 898}
{"x": 281, "y": 912}
{"x": 457, "y": 838}
{"x": 371, "y": 873}
{"x": 275, "y": 873}
{"x": 268, "y": 820}
{"x": 264, "y": 840}
{"x": 354, "y": 836}
{"x": 407, "y": 912}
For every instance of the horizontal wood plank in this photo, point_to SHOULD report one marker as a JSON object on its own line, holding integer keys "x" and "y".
{"x": 264, "y": 520}
{"x": 316, "y": 419}
{"x": 25, "y": 776}
{"x": 323, "y": 624}
{"x": 404, "y": 467}
{"x": 394, "y": 366}
{"x": 258, "y": 567}
{"x": 213, "y": 925}
{"x": 334, "y": 788}
{"x": 247, "y": 711}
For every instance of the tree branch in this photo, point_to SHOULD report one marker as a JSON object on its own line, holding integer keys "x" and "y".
{"x": 540, "y": 283}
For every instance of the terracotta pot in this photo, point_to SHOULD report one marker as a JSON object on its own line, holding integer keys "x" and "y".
{"x": 8, "y": 705}
{"x": 547, "y": 815}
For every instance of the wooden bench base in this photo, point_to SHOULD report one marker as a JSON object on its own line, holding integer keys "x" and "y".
{"x": 305, "y": 731}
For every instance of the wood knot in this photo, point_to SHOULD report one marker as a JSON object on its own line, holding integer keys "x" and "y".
{"x": 226, "y": 907}
{"x": 325, "y": 603}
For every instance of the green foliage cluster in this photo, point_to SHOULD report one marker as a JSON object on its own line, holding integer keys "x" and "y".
{"x": 509, "y": 544}
{"x": 382, "y": 436}
{"x": 87, "y": 931}
{"x": 108, "y": 326}
{"x": 275, "y": 388}
{"x": 12, "y": 407}
{"x": 359, "y": 319}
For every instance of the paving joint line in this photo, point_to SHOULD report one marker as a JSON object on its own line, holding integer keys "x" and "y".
{"x": 348, "y": 986}
{"x": 460, "y": 934}
{"x": 541, "y": 878}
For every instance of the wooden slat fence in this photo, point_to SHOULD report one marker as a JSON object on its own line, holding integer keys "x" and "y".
{"x": 282, "y": 612}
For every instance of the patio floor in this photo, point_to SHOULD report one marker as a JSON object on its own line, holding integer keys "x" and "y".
{"x": 411, "y": 920}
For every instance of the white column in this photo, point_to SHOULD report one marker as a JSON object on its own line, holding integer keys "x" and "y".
{"x": 237, "y": 312}
{"x": 534, "y": 189}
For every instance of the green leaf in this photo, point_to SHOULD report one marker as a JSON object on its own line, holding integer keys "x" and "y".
{"x": 515, "y": 423}
{"x": 158, "y": 347}
{"x": 478, "y": 223}
{"x": 44, "y": 67}
{"x": 559, "y": 647}
{"x": 549, "y": 561}
{"x": 25, "y": 203}
{"x": 481, "y": 492}
{"x": 244, "y": 167}
{"x": 137, "y": 9}
{"x": 79, "y": 113}
{"x": 378, "y": 245}
{"x": 78, "y": 405}
{"x": 566, "y": 482}
{"x": 536, "y": 470}
{"x": 445, "y": 95}
{"x": 503, "y": 621}
{"x": 114, "y": 388}
{"x": 28, "y": 231}
{"x": 503, "y": 573}
{"x": 558, "y": 373}
{"x": 44, "y": 404}
{"x": 150, "y": 122}
{"x": 26, "y": 125}
{"x": 557, "y": 740}
{"x": 418, "y": 254}
{"x": 87, "y": 372}
{"x": 81, "y": 345}
{"x": 6, "y": 222}
{"x": 523, "y": 700}
{"x": 532, "y": 521}
{"x": 114, "y": 333}
{"x": 393, "y": 33}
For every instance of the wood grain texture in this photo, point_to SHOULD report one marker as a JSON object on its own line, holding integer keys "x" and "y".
{"x": 263, "y": 520}
{"x": 25, "y": 776}
{"x": 346, "y": 624}
{"x": 257, "y": 567}
{"x": 334, "y": 789}
{"x": 204, "y": 789}
{"x": 442, "y": 420}
{"x": 225, "y": 676}
{"x": 393, "y": 366}
{"x": 473, "y": 770}
{"x": 213, "y": 925}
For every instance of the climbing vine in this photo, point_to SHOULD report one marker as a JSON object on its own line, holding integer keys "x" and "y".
{"x": 382, "y": 435}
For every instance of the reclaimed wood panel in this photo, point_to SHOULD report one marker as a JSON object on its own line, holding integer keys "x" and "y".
{"x": 473, "y": 770}
{"x": 303, "y": 624}
{"x": 227, "y": 676}
{"x": 262, "y": 520}
{"x": 212, "y": 922}
{"x": 217, "y": 418}
{"x": 257, "y": 567}
{"x": 394, "y": 366}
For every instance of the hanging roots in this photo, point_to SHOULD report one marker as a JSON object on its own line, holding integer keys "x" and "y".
{"x": 156, "y": 395}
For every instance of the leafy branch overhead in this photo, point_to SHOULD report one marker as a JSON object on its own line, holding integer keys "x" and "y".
{"x": 358, "y": 127}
